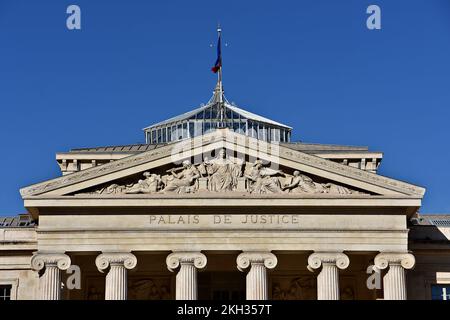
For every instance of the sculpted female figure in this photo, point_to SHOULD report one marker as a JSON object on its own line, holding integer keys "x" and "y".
{"x": 263, "y": 180}
{"x": 223, "y": 173}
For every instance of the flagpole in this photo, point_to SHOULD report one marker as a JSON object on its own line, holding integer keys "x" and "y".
{"x": 221, "y": 107}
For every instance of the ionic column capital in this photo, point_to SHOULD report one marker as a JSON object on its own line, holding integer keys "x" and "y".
{"x": 246, "y": 259}
{"x": 385, "y": 259}
{"x": 197, "y": 259}
{"x": 317, "y": 259}
{"x": 41, "y": 260}
{"x": 125, "y": 259}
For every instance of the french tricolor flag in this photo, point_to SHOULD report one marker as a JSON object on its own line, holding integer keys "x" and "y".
{"x": 218, "y": 63}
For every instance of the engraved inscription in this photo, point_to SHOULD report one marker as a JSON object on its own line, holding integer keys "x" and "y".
{"x": 219, "y": 220}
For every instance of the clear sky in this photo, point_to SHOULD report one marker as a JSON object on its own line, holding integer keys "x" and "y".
{"x": 311, "y": 64}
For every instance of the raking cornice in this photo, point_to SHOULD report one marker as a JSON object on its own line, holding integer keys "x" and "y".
{"x": 227, "y": 139}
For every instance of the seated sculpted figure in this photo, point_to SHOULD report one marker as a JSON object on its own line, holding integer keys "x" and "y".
{"x": 184, "y": 181}
{"x": 222, "y": 172}
{"x": 263, "y": 180}
{"x": 150, "y": 184}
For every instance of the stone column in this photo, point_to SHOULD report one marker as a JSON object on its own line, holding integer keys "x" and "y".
{"x": 257, "y": 282}
{"x": 328, "y": 278}
{"x": 394, "y": 282}
{"x": 50, "y": 281}
{"x": 186, "y": 281}
{"x": 116, "y": 279}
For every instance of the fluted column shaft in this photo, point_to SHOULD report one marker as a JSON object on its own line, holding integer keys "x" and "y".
{"x": 394, "y": 281}
{"x": 186, "y": 284}
{"x": 256, "y": 280}
{"x": 328, "y": 278}
{"x": 186, "y": 279}
{"x": 328, "y": 282}
{"x": 50, "y": 281}
{"x": 116, "y": 284}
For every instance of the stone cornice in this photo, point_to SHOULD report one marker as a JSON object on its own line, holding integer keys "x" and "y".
{"x": 355, "y": 173}
{"x": 218, "y": 200}
{"x": 230, "y": 139}
{"x": 197, "y": 259}
{"x": 96, "y": 171}
{"x": 246, "y": 259}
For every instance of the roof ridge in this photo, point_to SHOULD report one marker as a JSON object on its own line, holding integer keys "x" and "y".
{"x": 110, "y": 146}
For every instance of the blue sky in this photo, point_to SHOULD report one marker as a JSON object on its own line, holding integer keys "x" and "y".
{"x": 310, "y": 64}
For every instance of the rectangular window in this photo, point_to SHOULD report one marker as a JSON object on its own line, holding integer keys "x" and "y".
{"x": 185, "y": 130}
{"x": 5, "y": 292}
{"x": 159, "y": 136}
{"x": 191, "y": 129}
{"x": 153, "y": 136}
{"x": 255, "y": 130}
{"x": 214, "y": 113}
{"x": 242, "y": 127}
{"x": 164, "y": 135}
{"x": 208, "y": 113}
{"x": 173, "y": 135}
{"x": 276, "y": 134}
{"x": 179, "y": 132}
{"x": 228, "y": 114}
{"x": 249, "y": 128}
{"x": 440, "y": 292}
{"x": 198, "y": 128}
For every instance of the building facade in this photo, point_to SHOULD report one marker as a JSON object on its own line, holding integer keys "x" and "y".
{"x": 223, "y": 208}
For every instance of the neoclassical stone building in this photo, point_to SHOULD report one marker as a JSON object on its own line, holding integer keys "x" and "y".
{"x": 219, "y": 203}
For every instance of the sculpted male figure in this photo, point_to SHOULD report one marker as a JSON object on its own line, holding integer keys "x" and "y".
{"x": 150, "y": 184}
{"x": 303, "y": 184}
{"x": 184, "y": 181}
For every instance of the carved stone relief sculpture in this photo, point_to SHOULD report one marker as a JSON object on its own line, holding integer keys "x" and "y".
{"x": 293, "y": 288}
{"x": 223, "y": 174}
{"x": 263, "y": 180}
{"x": 184, "y": 181}
{"x": 157, "y": 288}
{"x": 151, "y": 184}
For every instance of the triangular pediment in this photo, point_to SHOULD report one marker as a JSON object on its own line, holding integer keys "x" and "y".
{"x": 248, "y": 166}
